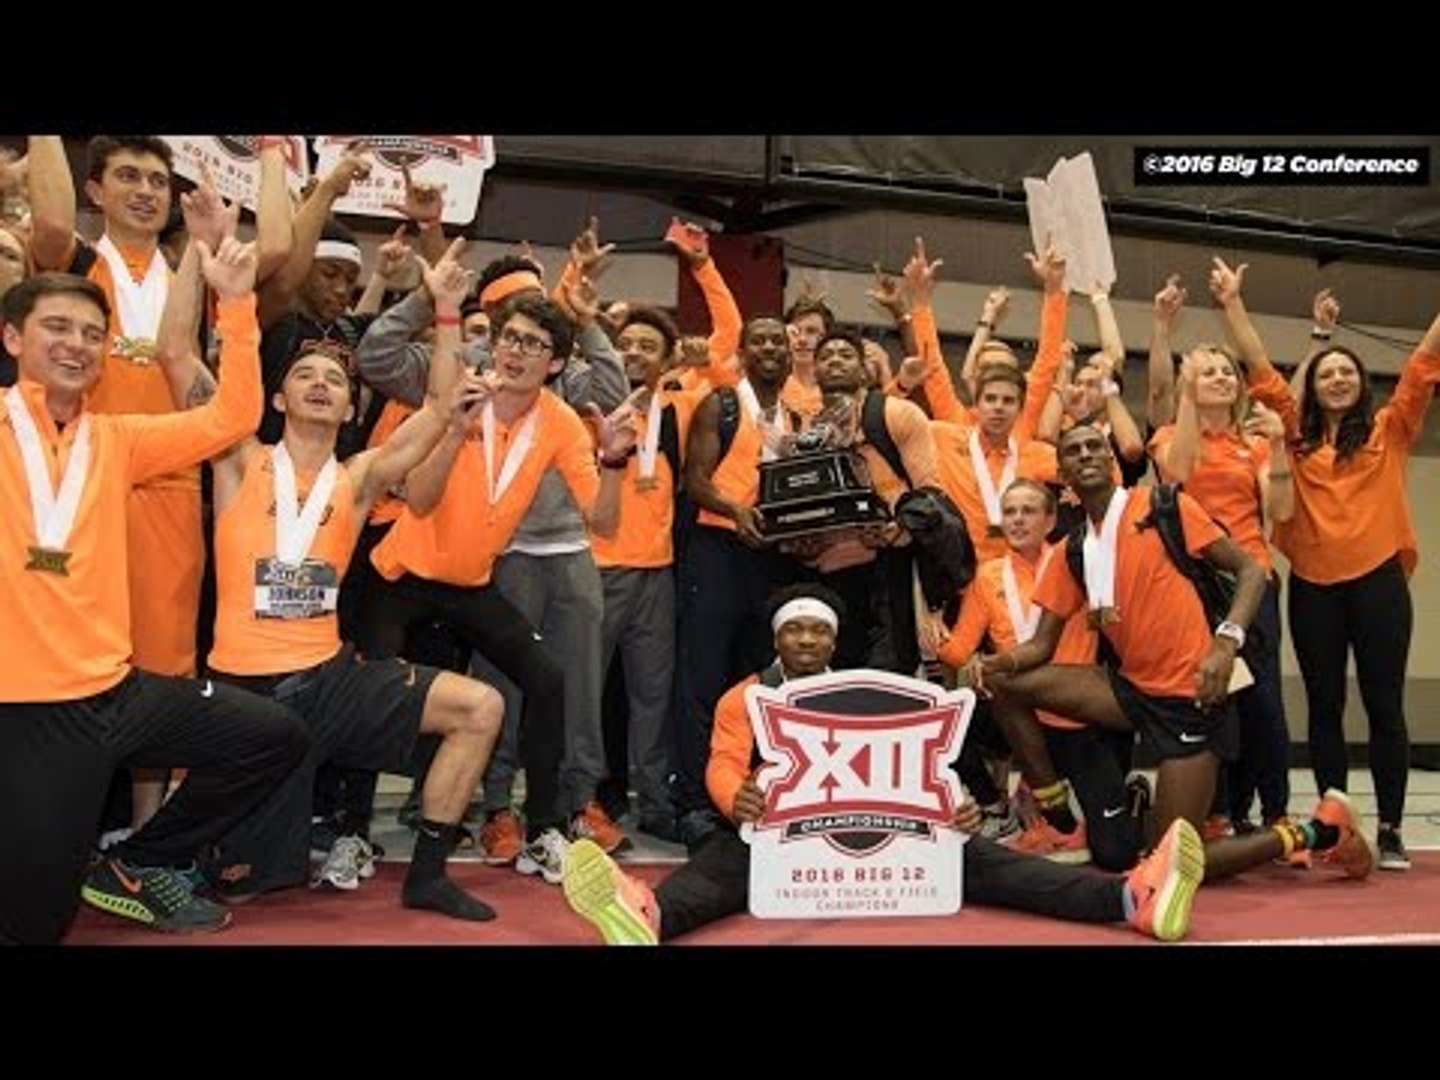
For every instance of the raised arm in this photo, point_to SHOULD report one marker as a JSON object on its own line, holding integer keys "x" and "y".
{"x": 1049, "y": 270}
{"x": 1277, "y": 481}
{"x": 939, "y": 388}
{"x": 274, "y": 227}
{"x": 52, "y": 204}
{"x": 1058, "y": 401}
{"x": 1168, "y": 303}
{"x": 887, "y": 295}
{"x": 1266, "y": 384}
{"x": 992, "y": 313}
{"x": 277, "y": 294}
{"x": 1122, "y": 424}
{"x": 393, "y": 260}
{"x": 1405, "y": 414}
{"x": 1178, "y": 459}
{"x": 376, "y": 471}
{"x": 162, "y": 444}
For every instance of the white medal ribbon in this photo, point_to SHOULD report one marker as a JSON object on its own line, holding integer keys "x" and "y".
{"x": 1100, "y": 554}
{"x": 770, "y": 432}
{"x": 513, "y": 457}
{"x": 989, "y": 493}
{"x": 295, "y": 526}
{"x": 54, "y": 513}
{"x": 1024, "y": 615}
{"x": 649, "y": 447}
{"x": 140, "y": 305}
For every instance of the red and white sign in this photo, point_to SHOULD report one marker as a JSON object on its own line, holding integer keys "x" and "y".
{"x": 859, "y": 796}
{"x": 457, "y": 161}
{"x": 234, "y": 163}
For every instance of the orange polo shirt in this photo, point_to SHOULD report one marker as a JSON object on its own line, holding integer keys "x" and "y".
{"x": 732, "y": 742}
{"x": 1351, "y": 516}
{"x": 1162, "y": 633}
{"x": 643, "y": 539}
{"x": 1226, "y": 482}
{"x": 737, "y": 475}
{"x": 388, "y": 506}
{"x": 459, "y": 541}
{"x": 69, "y": 637}
{"x": 984, "y": 609}
{"x": 1035, "y": 460}
{"x": 167, "y": 548}
{"x": 245, "y": 642}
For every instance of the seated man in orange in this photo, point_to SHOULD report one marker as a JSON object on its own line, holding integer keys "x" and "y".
{"x": 70, "y": 715}
{"x": 1172, "y": 684}
{"x": 1154, "y": 898}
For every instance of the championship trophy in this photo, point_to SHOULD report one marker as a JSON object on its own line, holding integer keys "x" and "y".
{"x": 820, "y": 482}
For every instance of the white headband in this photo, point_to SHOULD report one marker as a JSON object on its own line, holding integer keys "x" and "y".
{"x": 806, "y": 607}
{"x": 338, "y": 249}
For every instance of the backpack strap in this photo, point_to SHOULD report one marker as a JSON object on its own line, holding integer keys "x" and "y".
{"x": 729, "y": 417}
{"x": 1075, "y": 556}
{"x": 670, "y": 442}
{"x": 877, "y": 434}
{"x": 773, "y": 676}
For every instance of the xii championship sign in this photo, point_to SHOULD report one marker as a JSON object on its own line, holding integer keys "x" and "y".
{"x": 859, "y": 796}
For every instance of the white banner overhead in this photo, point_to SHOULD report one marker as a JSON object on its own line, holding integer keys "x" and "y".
{"x": 1066, "y": 208}
{"x": 234, "y": 163}
{"x": 458, "y": 162}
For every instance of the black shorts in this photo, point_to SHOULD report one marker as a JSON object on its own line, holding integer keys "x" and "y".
{"x": 361, "y": 714}
{"x": 1177, "y": 727}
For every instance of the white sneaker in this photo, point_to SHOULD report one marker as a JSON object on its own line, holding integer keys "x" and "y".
{"x": 350, "y": 859}
{"x": 545, "y": 855}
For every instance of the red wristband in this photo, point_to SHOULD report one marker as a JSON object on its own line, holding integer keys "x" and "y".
{"x": 447, "y": 320}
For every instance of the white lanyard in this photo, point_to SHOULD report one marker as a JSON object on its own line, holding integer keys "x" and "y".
{"x": 54, "y": 513}
{"x": 649, "y": 447}
{"x": 295, "y": 526}
{"x": 1025, "y": 619}
{"x": 141, "y": 305}
{"x": 513, "y": 456}
{"x": 989, "y": 493}
{"x": 769, "y": 432}
{"x": 1101, "y": 551}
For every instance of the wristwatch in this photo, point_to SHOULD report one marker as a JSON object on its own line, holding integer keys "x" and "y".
{"x": 1234, "y": 631}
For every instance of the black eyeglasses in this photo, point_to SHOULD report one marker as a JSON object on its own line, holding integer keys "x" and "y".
{"x": 526, "y": 344}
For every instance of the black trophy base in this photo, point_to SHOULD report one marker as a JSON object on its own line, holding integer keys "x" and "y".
{"x": 815, "y": 493}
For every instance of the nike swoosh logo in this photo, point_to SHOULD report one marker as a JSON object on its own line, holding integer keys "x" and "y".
{"x": 1191, "y": 738}
{"x": 208, "y": 690}
{"x": 1110, "y": 812}
{"x": 131, "y": 884}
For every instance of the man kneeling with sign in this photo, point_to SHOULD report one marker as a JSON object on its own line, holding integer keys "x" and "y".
{"x": 1154, "y": 898}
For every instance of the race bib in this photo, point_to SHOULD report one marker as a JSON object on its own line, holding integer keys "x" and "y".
{"x": 307, "y": 591}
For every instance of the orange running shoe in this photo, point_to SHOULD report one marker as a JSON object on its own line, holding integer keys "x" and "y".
{"x": 593, "y": 823}
{"x": 1164, "y": 883}
{"x": 1048, "y": 842}
{"x": 1355, "y": 853}
{"x": 622, "y": 908}
{"x": 501, "y": 838}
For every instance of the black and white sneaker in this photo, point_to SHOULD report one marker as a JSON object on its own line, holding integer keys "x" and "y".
{"x": 1393, "y": 855}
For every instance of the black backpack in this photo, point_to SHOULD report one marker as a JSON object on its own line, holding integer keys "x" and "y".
{"x": 1215, "y": 587}
{"x": 944, "y": 554}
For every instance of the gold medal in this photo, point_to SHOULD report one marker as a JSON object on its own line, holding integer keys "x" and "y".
{"x": 1105, "y": 616}
{"x": 48, "y": 561}
{"x": 137, "y": 350}
{"x": 646, "y": 483}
